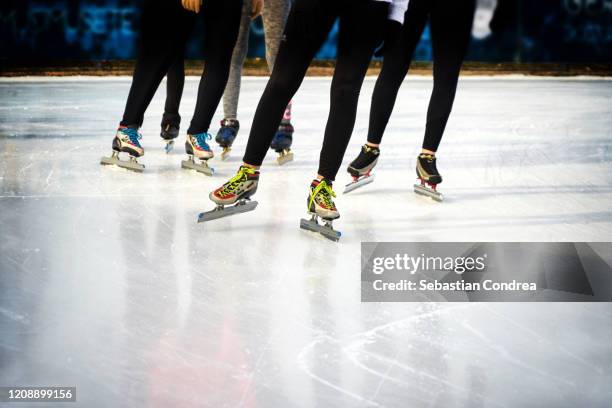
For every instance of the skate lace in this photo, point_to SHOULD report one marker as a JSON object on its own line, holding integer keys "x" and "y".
{"x": 133, "y": 135}
{"x": 325, "y": 193}
{"x": 201, "y": 139}
{"x": 233, "y": 183}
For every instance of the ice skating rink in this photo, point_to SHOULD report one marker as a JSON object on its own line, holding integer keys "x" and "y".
{"x": 107, "y": 283}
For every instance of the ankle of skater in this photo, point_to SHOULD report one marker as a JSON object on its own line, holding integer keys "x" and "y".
{"x": 251, "y": 166}
{"x": 370, "y": 144}
{"x": 428, "y": 152}
{"x": 321, "y": 177}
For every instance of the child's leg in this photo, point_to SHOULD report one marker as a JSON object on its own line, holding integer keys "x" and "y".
{"x": 275, "y": 18}
{"x": 307, "y": 28}
{"x": 175, "y": 82}
{"x": 222, "y": 21}
{"x": 232, "y": 89}
{"x": 395, "y": 67}
{"x": 451, "y": 27}
{"x": 157, "y": 52}
{"x": 355, "y": 49}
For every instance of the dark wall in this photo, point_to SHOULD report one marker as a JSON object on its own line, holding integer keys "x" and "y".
{"x": 504, "y": 30}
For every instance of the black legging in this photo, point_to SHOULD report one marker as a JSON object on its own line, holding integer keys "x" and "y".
{"x": 175, "y": 82}
{"x": 160, "y": 48}
{"x": 309, "y": 23}
{"x": 450, "y": 26}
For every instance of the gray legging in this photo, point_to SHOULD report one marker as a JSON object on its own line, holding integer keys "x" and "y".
{"x": 274, "y": 18}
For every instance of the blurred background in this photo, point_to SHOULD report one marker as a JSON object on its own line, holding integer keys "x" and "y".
{"x": 539, "y": 31}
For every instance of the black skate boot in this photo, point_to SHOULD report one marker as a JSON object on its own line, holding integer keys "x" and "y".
{"x": 320, "y": 204}
{"x": 361, "y": 167}
{"x": 226, "y": 136}
{"x": 281, "y": 143}
{"x": 169, "y": 132}
{"x": 126, "y": 141}
{"x": 235, "y": 193}
{"x": 428, "y": 174}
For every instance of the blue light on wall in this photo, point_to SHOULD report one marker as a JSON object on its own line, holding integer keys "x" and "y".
{"x": 542, "y": 31}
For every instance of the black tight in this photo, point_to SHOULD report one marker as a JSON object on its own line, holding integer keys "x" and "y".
{"x": 175, "y": 82}
{"x": 361, "y": 27}
{"x": 222, "y": 23}
{"x": 450, "y": 25}
{"x": 161, "y": 48}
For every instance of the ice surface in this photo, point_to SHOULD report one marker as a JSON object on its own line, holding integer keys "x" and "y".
{"x": 107, "y": 281}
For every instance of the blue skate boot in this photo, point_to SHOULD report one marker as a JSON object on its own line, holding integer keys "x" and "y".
{"x": 281, "y": 143}
{"x": 226, "y": 136}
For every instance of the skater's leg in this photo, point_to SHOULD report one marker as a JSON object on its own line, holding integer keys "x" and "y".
{"x": 157, "y": 52}
{"x": 230, "y": 125}
{"x": 171, "y": 120}
{"x": 307, "y": 27}
{"x": 232, "y": 89}
{"x": 222, "y": 21}
{"x": 396, "y": 64}
{"x": 275, "y": 18}
{"x": 355, "y": 49}
{"x": 451, "y": 26}
{"x": 175, "y": 82}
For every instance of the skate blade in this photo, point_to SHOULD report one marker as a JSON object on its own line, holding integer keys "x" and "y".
{"x": 201, "y": 168}
{"x": 169, "y": 146}
{"x": 363, "y": 181}
{"x": 225, "y": 154}
{"x": 227, "y": 211}
{"x": 124, "y": 164}
{"x": 326, "y": 231}
{"x": 428, "y": 192}
{"x": 284, "y": 157}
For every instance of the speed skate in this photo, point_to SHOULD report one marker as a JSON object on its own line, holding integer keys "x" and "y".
{"x": 284, "y": 156}
{"x": 221, "y": 211}
{"x": 168, "y": 146}
{"x": 281, "y": 143}
{"x": 225, "y": 154}
{"x": 361, "y": 168}
{"x": 358, "y": 182}
{"x": 428, "y": 190}
{"x": 201, "y": 167}
{"x": 326, "y": 228}
{"x": 131, "y": 164}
